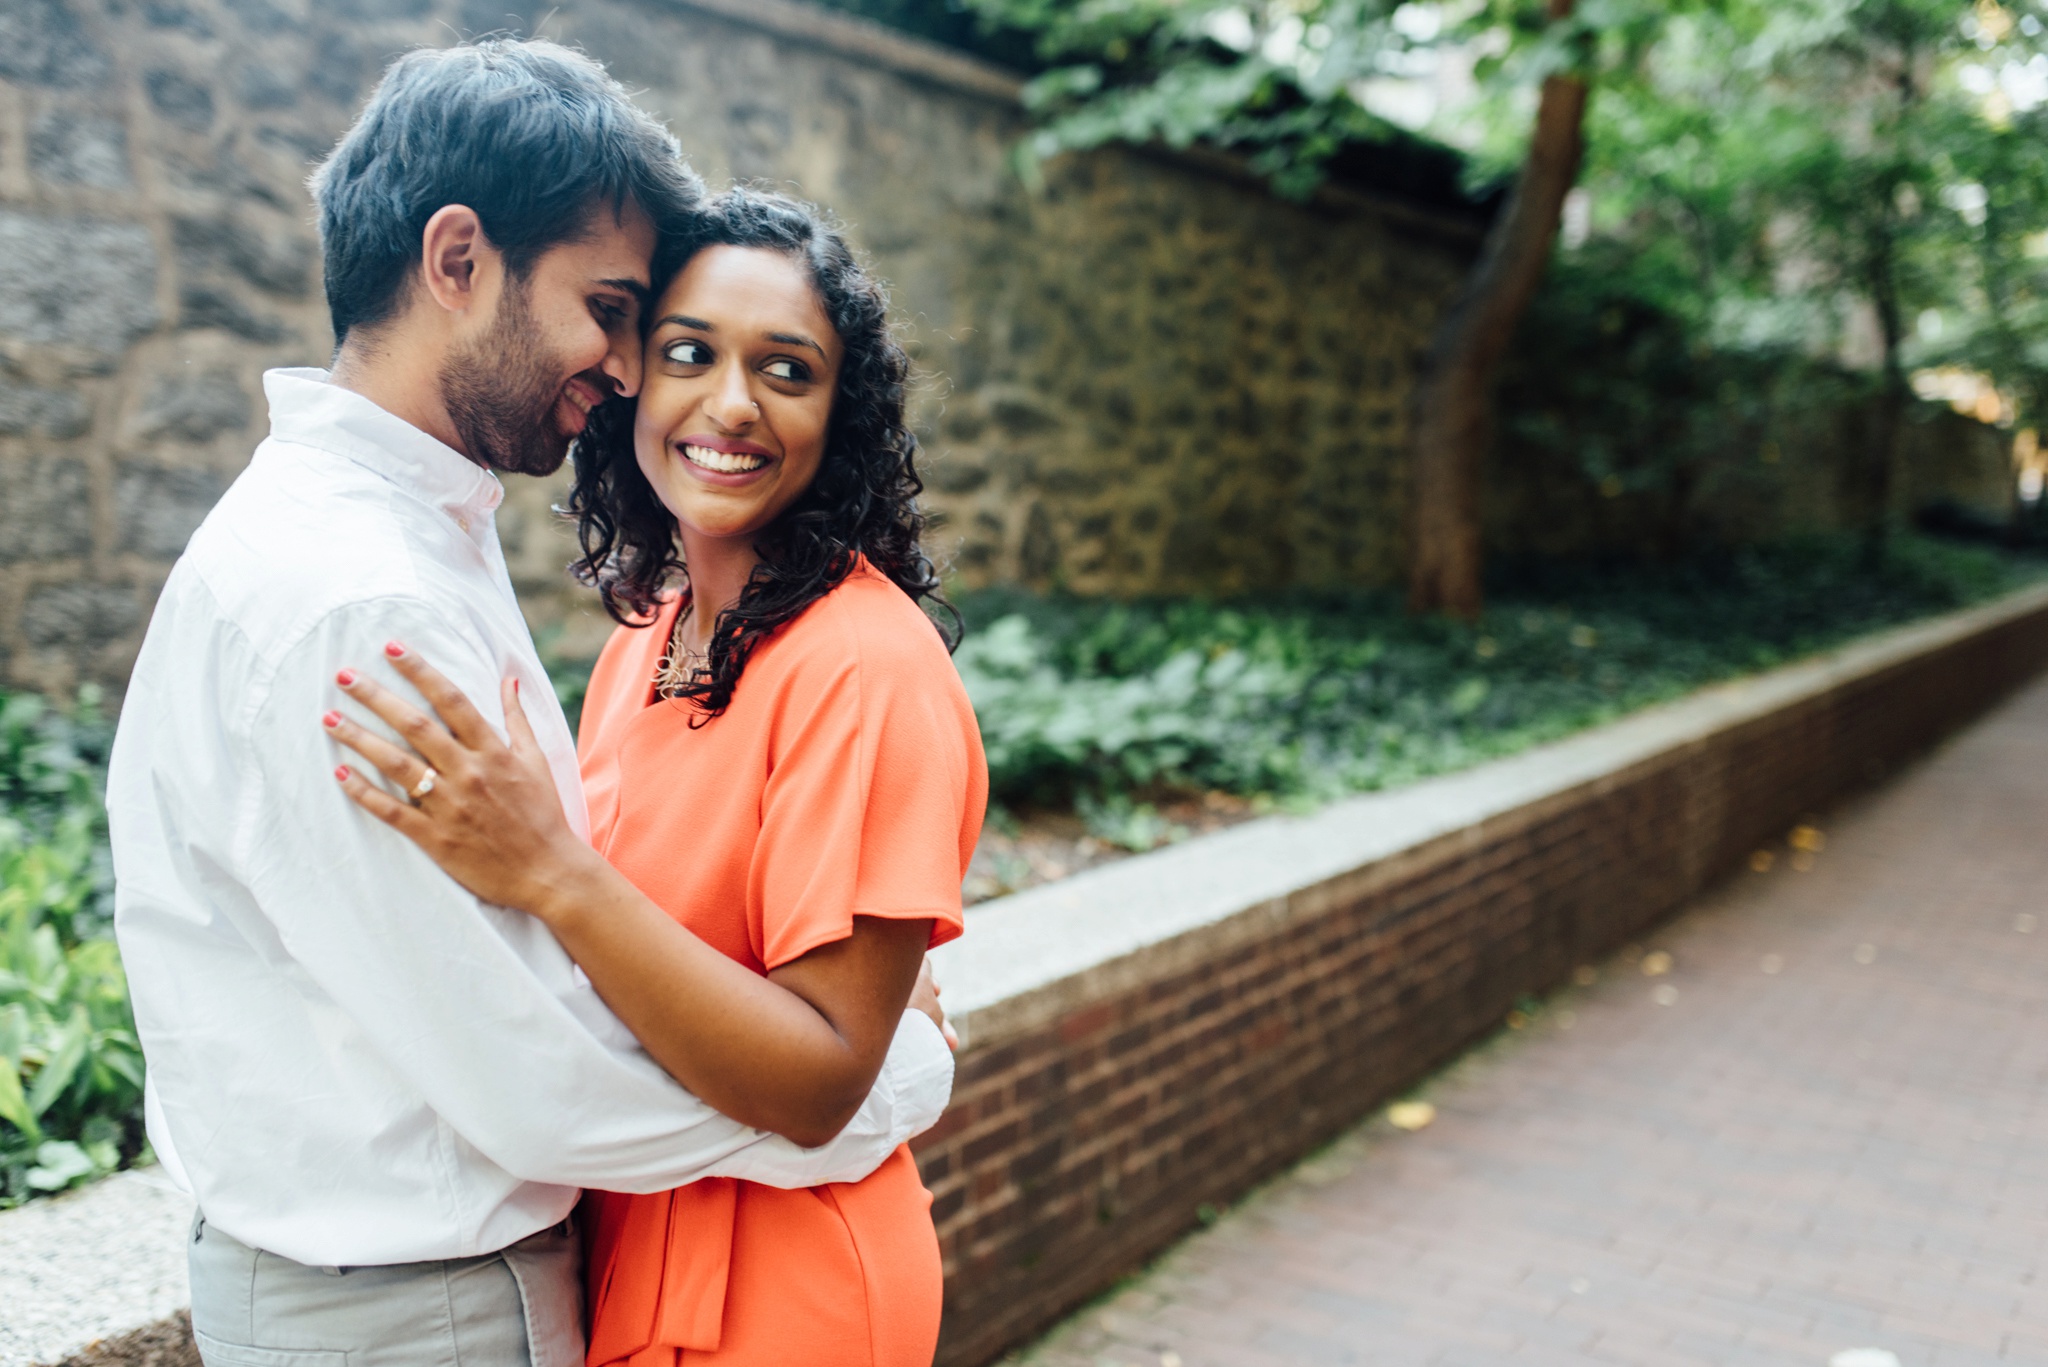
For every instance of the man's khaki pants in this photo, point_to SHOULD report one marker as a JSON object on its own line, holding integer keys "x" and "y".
{"x": 519, "y": 1307}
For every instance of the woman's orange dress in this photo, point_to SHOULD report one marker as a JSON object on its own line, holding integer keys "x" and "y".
{"x": 846, "y": 779}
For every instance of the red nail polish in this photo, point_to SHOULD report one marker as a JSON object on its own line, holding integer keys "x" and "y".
{"x": 342, "y": 773}
{"x": 347, "y": 678}
{"x": 330, "y": 719}
{"x": 393, "y": 649}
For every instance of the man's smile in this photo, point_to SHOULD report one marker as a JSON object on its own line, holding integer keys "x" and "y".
{"x": 573, "y": 408}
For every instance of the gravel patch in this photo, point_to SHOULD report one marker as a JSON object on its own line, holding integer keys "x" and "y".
{"x": 91, "y": 1265}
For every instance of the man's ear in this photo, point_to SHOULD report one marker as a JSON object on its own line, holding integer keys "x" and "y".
{"x": 455, "y": 257}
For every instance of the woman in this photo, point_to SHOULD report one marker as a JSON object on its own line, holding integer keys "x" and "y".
{"x": 784, "y": 776}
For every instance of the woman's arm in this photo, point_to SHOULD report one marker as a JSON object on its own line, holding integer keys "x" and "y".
{"x": 794, "y": 1053}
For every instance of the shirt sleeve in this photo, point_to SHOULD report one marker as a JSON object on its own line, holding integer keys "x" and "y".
{"x": 872, "y": 780}
{"x": 474, "y": 1005}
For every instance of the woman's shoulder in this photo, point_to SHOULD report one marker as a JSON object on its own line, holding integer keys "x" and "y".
{"x": 867, "y": 633}
{"x": 867, "y": 620}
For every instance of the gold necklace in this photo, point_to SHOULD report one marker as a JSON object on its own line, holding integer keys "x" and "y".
{"x": 680, "y": 666}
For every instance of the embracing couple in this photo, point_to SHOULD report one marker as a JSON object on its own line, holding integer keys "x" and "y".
{"x": 477, "y": 1045}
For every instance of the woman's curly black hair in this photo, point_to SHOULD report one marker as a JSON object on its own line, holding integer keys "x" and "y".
{"x": 863, "y": 500}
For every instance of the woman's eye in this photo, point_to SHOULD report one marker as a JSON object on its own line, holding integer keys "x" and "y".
{"x": 687, "y": 351}
{"x": 785, "y": 369}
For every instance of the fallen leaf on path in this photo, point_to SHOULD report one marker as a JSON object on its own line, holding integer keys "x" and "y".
{"x": 1410, "y": 1115}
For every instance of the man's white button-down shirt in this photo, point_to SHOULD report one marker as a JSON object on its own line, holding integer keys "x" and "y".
{"x": 352, "y": 1060}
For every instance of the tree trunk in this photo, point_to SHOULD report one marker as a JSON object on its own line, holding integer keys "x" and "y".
{"x": 1882, "y": 457}
{"x": 1453, "y": 415}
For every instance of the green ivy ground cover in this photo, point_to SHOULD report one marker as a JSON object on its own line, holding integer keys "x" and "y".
{"x": 1110, "y": 707}
{"x": 1103, "y": 708}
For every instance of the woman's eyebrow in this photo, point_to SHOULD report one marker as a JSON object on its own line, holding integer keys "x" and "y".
{"x": 685, "y": 320}
{"x": 796, "y": 339}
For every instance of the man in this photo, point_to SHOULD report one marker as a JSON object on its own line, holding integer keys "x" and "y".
{"x": 384, "y": 1094}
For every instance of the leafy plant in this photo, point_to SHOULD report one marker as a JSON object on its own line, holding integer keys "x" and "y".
{"x": 70, "y": 1065}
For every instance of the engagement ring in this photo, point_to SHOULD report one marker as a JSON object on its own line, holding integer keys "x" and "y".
{"x": 425, "y": 785}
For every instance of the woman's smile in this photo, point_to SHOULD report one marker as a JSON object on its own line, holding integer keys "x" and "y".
{"x": 727, "y": 460}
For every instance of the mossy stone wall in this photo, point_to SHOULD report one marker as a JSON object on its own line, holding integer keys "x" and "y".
{"x": 1150, "y": 377}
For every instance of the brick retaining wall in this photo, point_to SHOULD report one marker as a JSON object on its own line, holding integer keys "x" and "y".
{"x": 1101, "y": 1107}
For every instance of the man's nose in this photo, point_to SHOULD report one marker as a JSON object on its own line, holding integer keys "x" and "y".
{"x": 622, "y": 363}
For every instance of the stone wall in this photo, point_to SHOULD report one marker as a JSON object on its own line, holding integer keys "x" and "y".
{"x": 1151, "y": 377}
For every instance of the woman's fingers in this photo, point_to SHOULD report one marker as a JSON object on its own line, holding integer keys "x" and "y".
{"x": 525, "y": 744}
{"x": 402, "y": 816}
{"x": 457, "y": 713}
{"x": 420, "y": 731}
{"x": 924, "y": 996}
{"x": 399, "y": 765}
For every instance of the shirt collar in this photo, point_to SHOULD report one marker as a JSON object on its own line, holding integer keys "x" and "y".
{"x": 309, "y": 411}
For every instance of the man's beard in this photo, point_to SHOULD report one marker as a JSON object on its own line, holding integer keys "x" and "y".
{"x": 501, "y": 393}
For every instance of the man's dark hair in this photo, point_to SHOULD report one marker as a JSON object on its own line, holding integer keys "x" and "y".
{"x": 530, "y": 135}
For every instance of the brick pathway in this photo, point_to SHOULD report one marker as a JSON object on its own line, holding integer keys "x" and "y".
{"x": 1825, "y": 1128}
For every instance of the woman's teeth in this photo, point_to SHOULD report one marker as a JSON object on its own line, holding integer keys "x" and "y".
{"x": 725, "y": 462}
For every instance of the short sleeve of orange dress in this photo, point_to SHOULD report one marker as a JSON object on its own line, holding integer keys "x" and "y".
{"x": 845, "y": 779}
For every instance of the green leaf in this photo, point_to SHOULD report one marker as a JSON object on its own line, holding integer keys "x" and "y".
{"x": 1466, "y": 698}
{"x": 14, "y": 1107}
{"x": 56, "y": 1074}
{"x": 59, "y": 1163}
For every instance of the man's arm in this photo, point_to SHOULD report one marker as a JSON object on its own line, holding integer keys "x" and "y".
{"x": 477, "y": 1006}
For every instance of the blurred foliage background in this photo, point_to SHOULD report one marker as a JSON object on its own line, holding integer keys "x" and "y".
{"x": 70, "y": 1066}
{"x": 1782, "y": 206}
